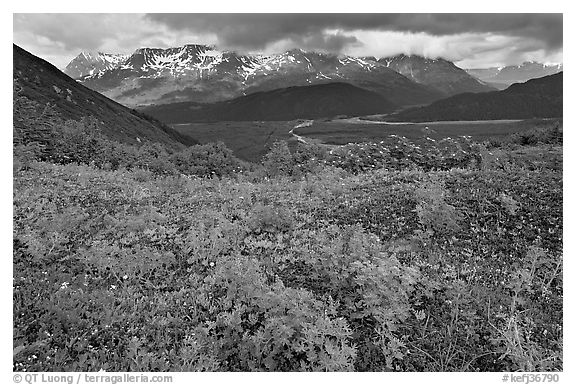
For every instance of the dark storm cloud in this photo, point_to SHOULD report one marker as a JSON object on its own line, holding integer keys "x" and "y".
{"x": 256, "y": 31}
{"x": 470, "y": 39}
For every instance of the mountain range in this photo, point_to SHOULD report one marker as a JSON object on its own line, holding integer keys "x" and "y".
{"x": 536, "y": 98}
{"x": 38, "y": 83}
{"x": 502, "y": 77}
{"x": 201, "y": 73}
{"x": 214, "y": 85}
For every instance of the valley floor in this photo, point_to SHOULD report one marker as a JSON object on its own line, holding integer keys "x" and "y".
{"x": 354, "y": 130}
{"x": 251, "y": 140}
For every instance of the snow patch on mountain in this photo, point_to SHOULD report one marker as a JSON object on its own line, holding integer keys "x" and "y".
{"x": 91, "y": 63}
{"x": 204, "y": 73}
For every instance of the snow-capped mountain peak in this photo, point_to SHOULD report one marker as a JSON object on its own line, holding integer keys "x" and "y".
{"x": 436, "y": 72}
{"x": 88, "y": 63}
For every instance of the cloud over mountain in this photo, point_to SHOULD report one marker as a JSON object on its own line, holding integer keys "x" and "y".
{"x": 257, "y": 30}
{"x": 473, "y": 40}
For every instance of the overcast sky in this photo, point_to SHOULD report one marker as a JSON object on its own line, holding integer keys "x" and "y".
{"x": 470, "y": 40}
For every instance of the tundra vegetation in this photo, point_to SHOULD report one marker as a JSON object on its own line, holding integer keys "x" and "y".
{"x": 386, "y": 256}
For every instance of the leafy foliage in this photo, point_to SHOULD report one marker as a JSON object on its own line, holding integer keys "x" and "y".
{"x": 43, "y": 135}
{"x": 399, "y": 153}
{"x": 212, "y": 159}
{"x": 148, "y": 260}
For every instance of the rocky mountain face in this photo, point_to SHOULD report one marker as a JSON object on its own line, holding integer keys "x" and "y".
{"x": 439, "y": 73}
{"x": 39, "y": 84}
{"x": 502, "y": 77}
{"x": 201, "y": 73}
{"x": 87, "y": 63}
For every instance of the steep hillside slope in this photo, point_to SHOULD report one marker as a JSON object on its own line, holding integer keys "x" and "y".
{"x": 40, "y": 83}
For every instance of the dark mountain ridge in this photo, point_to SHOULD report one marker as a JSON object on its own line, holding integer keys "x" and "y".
{"x": 536, "y": 98}
{"x": 299, "y": 102}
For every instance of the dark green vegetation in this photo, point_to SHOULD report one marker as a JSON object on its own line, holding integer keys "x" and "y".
{"x": 251, "y": 140}
{"x": 536, "y": 98}
{"x": 369, "y": 257}
{"x": 248, "y": 140}
{"x": 306, "y": 102}
{"x": 83, "y": 142}
{"x": 342, "y": 131}
{"x": 42, "y": 93}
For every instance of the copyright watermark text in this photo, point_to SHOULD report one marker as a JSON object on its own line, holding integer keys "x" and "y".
{"x": 89, "y": 378}
{"x": 529, "y": 378}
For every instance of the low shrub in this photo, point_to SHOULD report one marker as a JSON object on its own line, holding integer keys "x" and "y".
{"x": 130, "y": 269}
{"x": 279, "y": 161}
{"x": 207, "y": 160}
